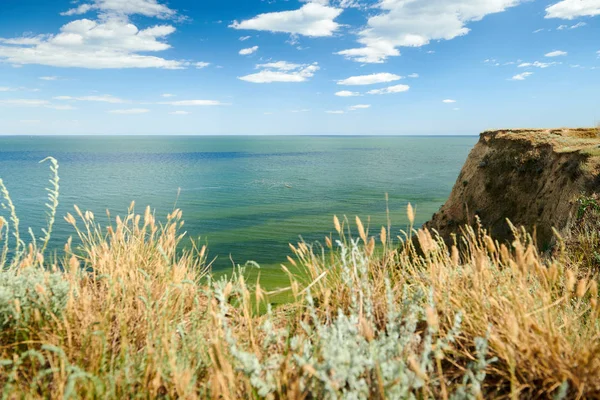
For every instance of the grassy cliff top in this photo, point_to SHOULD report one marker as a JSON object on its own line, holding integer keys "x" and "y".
{"x": 563, "y": 140}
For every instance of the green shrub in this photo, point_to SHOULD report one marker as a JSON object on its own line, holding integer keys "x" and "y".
{"x": 31, "y": 295}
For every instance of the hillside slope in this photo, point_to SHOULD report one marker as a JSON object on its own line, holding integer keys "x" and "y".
{"x": 532, "y": 177}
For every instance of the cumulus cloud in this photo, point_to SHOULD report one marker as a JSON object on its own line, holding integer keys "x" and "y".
{"x": 556, "y": 53}
{"x": 312, "y": 19}
{"x": 130, "y": 111}
{"x": 521, "y": 77}
{"x": 148, "y": 8}
{"x": 415, "y": 23}
{"x": 383, "y": 77}
{"x": 346, "y": 93}
{"x": 390, "y": 90}
{"x": 248, "y": 51}
{"x": 84, "y": 43}
{"x": 282, "y": 71}
{"x": 571, "y": 9}
{"x": 110, "y": 41}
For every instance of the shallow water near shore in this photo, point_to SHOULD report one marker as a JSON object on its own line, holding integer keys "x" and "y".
{"x": 245, "y": 197}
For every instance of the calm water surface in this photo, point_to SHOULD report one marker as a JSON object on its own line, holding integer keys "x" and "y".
{"x": 246, "y": 197}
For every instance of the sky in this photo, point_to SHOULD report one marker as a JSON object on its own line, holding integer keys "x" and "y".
{"x": 295, "y": 67}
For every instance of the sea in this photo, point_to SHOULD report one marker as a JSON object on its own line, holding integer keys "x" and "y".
{"x": 245, "y": 197}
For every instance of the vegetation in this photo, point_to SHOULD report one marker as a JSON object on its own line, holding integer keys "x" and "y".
{"x": 123, "y": 314}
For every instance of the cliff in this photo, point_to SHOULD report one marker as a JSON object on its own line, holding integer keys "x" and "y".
{"x": 533, "y": 177}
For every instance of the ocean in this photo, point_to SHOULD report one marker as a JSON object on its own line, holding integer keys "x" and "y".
{"x": 245, "y": 197}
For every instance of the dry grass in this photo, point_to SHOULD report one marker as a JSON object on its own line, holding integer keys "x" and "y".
{"x": 126, "y": 315}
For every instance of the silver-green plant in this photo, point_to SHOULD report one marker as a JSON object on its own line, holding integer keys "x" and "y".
{"x": 31, "y": 294}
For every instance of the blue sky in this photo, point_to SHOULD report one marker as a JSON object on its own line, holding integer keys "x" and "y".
{"x": 227, "y": 67}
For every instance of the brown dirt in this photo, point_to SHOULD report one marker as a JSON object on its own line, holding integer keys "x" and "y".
{"x": 533, "y": 177}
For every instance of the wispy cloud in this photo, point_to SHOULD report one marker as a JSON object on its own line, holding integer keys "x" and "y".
{"x": 107, "y": 98}
{"x": 383, "y": 77}
{"x": 390, "y": 90}
{"x": 556, "y": 53}
{"x": 347, "y": 93}
{"x": 359, "y": 107}
{"x": 130, "y": 111}
{"x": 521, "y": 77}
{"x": 248, "y": 51}
{"x": 282, "y": 71}
{"x": 193, "y": 103}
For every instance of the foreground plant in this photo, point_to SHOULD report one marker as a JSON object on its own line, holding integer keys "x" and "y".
{"x": 125, "y": 313}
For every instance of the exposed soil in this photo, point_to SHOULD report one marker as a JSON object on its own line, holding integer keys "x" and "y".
{"x": 533, "y": 177}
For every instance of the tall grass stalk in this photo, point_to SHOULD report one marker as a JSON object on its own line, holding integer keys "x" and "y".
{"x": 403, "y": 317}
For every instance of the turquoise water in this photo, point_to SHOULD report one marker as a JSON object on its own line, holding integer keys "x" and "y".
{"x": 246, "y": 197}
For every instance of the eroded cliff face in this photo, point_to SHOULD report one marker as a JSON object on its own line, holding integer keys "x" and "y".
{"x": 532, "y": 177}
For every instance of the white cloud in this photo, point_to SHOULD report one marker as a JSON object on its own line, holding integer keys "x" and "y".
{"x": 521, "y": 77}
{"x": 130, "y": 111}
{"x": 578, "y": 25}
{"x": 167, "y": 95}
{"x": 7, "y": 89}
{"x": 347, "y": 93}
{"x": 415, "y": 23}
{"x": 390, "y": 90}
{"x": 102, "y": 99}
{"x": 413, "y": 75}
{"x": 359, "y": 107}
{"x": 571, "y": 9}
{"x": 281, "y": 65}
{"x": 383, "y": 77}
{"x": 111, "y": 42}
{"x": 24, "y": 102}
{"x": 193, "y": 103}
{"x": 35, "y": 103}
{"x": 244, "y": 38}
{"x": 61, "y": 107}
{"x": 282, "y": 71}
{"x": 448, "y": 101}
{"x": 556, "y": 53}
{"x": 541, "y": 30}
{"x": 201, "y": 64}
{"x": 335, "y": 112}
{"x": 180, "y": 113}
{"x": 248, "y": 51}
{"x": 49, "y": 78}
{"x": 537, "y": 64}
{"x": 312, "y": 19}
{"x": 148, "y": 8}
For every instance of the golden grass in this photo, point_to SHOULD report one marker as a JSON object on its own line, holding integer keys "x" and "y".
{"x": 144, "y": 320}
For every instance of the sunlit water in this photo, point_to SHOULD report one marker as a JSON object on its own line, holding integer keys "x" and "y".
{"x": 246, "y": 197}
